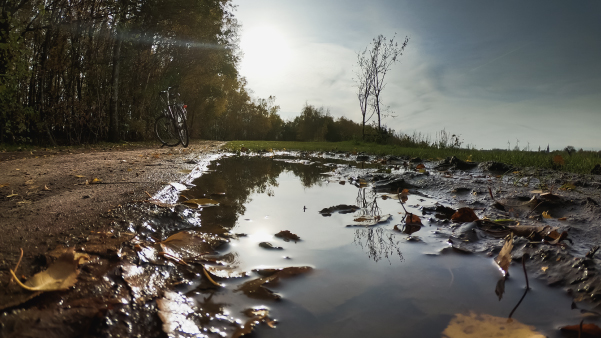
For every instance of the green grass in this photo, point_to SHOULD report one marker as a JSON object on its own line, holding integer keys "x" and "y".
{"x": 579, "y": 162}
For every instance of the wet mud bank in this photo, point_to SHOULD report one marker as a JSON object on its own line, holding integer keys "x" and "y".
{"x": 324, "y": 245}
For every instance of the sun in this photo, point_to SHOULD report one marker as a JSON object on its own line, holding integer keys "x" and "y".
{"x": 266, "y": 51}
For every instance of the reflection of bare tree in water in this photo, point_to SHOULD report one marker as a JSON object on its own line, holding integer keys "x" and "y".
{"x": 367, "y": 208}
{"x": 378, "y": 244}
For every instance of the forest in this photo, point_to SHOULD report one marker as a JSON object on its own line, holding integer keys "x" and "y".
{"x": 86, "y": 71}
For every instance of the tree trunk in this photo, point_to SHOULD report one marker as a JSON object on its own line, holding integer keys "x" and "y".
{"x": 113, "y": 110}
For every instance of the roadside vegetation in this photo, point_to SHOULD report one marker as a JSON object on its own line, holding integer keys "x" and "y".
{"x": 581, "y": 162}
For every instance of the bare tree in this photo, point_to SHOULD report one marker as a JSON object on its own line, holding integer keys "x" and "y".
{"x": 374, "y": 63}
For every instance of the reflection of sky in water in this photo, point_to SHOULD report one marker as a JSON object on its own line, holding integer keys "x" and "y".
{"x": 367, "y": 281}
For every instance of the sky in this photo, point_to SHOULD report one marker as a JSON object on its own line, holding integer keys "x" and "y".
{"x": 498, "y": 73}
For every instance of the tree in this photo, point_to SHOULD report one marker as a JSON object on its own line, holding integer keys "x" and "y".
{"x": 374, "y": 63}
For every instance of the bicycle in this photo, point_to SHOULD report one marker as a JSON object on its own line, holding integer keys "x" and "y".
{"x": 171, "y": 127}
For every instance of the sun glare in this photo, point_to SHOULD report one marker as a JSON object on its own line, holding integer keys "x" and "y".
{"x": 266, "y": 50}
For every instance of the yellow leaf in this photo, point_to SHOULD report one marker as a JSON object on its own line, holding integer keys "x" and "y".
{"x": 96, "y": 181}
{"x": 2, "y": 185}
{"x": 484, "y": 325}
{"x": 544, "y": 268}
{"x": 59, "y": 276}
{"x": 79, "y": 176}
{"x": 504, "y": 257}
{"x": 546, "y": 215}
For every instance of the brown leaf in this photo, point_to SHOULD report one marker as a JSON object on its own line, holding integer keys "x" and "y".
{"x": 255, "y": 288}
{"x": 412, "y": 219}
{"x": 369, "y": 220}
{"x": 464, "y": 215}
{"x": 590, "y": 330}
{"x": 504, "y": 257}
{"x": 257, "y": 316}
{"x": 420, "y": 166}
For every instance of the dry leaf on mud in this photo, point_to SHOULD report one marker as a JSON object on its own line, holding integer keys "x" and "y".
{"x": 2, "y": 185}
{"x": 186, "y": 245}
{"x": 588, "y": 330}
{"x": 287, "y": 236}
{"x": 95, "y": 181}
{"x": 484, "y": 325}
{"x": 79, "y": 176}
{"x": 420, "y": 166}
{"x": 257, "y": 316}
{"x": 255, "y": 288}
{"x": 546, "y": 215}
{"x": 464, "y": 215}
{"x": 59, "y": 276}
{"x": 201, "y": 202}
{"x": 504, "y": 257}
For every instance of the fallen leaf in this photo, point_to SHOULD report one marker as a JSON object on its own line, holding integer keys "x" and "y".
{"x": 287, "y": 236}
{"x": 412, "y": 219}
{"x": 186, "y": 245}
{"x": 257, "y": 316}
{"x": 201, "y": 202}
{"x": 464, "y": 215}
{"x": 546, "y": 215}
{"x": 484, "y": 325}
{"x": 46, "y": 188}
{"x": 544, "y": 268}
{"x": 79, "y": 176}
{"x": 420, "y": 166}
{"x": 369, "y": 220}
{"x": 95, "y": 181}
{"x": 59, "y": 276}
{"x": 504, "y": 257}
{"x": 562, "y": 219}
{"x": 590, "y": 330}
{"x": 255, "y": 288}
{"x": 2, "y": 185}
{"x": 568, "y": 186}
{"x": 185, "y": 171}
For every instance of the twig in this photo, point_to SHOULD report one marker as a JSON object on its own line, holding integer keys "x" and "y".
{"x": 400, "y": 200}
{"x": 16, "y": 267}
{"x": 147, "y": 193}
{"x": 527, "y": 286}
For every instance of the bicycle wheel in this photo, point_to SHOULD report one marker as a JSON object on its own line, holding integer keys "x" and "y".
{"x": 182, "y": 129}
{"x": 166, "y": 131}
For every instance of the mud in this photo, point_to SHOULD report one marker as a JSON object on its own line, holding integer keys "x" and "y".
{"x": 125, "y": 289}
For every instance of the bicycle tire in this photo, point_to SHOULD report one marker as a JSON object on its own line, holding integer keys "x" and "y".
{"x": 166, "y": 131}
{"x": 182, "y": 127}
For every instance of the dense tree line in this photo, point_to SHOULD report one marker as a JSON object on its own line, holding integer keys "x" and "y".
{"x": 84, "y": 71}
{"x": 79, "y": 71}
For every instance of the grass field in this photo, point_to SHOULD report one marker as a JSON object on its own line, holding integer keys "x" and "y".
{"x": 578, "y": 162}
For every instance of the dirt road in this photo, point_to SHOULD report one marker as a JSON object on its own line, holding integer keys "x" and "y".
{"x": 50, "y": 197}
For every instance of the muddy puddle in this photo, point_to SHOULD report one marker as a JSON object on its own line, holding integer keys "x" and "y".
{"x": 299, "y": 246}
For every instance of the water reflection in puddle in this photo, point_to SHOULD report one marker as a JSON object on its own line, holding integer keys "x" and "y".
{"x": 374, "y": 281}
